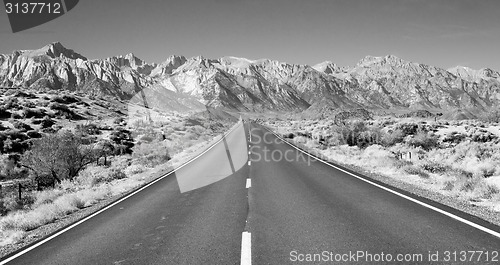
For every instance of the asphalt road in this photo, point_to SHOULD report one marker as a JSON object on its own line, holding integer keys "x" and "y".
{"x": 296, "y": 207}
{"x": 302, "y": 206}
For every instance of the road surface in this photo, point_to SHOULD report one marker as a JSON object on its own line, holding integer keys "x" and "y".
{"x": 293, "y": 207}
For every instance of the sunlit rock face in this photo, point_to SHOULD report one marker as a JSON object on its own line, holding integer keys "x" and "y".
{"x": 183, "y": 84}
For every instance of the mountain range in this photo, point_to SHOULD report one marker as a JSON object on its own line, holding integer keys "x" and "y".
{"x": 183, "y": 84}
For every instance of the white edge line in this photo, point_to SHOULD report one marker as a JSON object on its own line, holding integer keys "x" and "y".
{"x": 111, "y": 205}
{"x": 458, "y": 218}
{"x": 246, "y": 248}
{"x": 249, "y": 183}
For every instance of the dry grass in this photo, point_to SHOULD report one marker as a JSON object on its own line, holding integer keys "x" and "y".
{"x": 460, "y": 169}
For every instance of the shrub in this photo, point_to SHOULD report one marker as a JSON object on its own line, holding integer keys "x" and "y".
{"x": 91, "y": 176}
{"x": 392, "y": 137}
{"x": 95, "y": 175}
{"x": 135, "y": 169}
{"x": 13, "y": 203}
{"x": 58, "y": 106}
{"x": 4, "y": 113}
{"x": 151, "y": 155}
{"x": 488, "y": 191}
{"x": 123, "y": 141}
{"x": 60, "y": 156}
{"x": 3, "y": 127}
{"x": 88, "y": 129}
{"x": 454, "y": 137}
{"x": 21, "y": 126}
{"x": 468, "y": 184}
{"x": 407, "y": 128}
{"x": 9, "y": 168}
{"x": 116, "y": 173}
{"x": 483, "y": 137}
{"x": 46, "y": 196}
{"x": 3, "y": 209}
{"x": 119, "y": 120}
{"x": 34, "y": 134}
{"x": 424, "y": 140}
{"x": 350, "y": 132}
{"x": 47, "y": 122}
{"x": 64, "y": 111}
{"x": 414, "y": 170}
{"x": 65, "y": 99}
{"x": 147, "y": 138}
{"x": 28, "y": 113}
{"x": 15, "y": 145}
{"x": 449, "y": 185}
{"x": 12, "y": 103}
{"x": 435, "y": 167}
{"x": 367, "y": 138}
{"x": 16, "y": 116}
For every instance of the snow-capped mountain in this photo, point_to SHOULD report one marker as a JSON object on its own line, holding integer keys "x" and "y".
{"x": 473, "y": 75}
{"x": 255, "y": 85}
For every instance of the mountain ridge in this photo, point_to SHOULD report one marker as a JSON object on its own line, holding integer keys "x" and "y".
{"x": 257, "y": 85}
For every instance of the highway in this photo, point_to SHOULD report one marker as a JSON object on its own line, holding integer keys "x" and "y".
{"x": 296, "y": 210}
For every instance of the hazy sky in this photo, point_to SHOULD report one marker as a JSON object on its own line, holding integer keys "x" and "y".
{"x": 444, "y": 33}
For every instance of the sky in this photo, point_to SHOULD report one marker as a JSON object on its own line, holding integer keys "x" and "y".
{"x": 443, "y": 33}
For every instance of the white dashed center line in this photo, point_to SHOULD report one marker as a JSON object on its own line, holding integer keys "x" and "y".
{"x": 246, "y": 249}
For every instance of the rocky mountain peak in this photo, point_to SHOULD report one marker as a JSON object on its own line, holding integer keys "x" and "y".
{"x": 54, "y": 50}
{"x": 474, "y": 75}
{"x": 168, "y": 66}
{"x": 327, "y": 67}
{"x": 392, "y": 60}
{"x": 129, "y": 60}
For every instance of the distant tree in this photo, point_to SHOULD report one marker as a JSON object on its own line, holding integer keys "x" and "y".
{"x": 58, "y": 156}
{"x": 123, "y": 141}
{"x": 104, "y": 149}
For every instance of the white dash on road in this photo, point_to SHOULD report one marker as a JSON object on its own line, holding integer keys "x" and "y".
{"x": 249, "y": 152}
{"x": 249, "y": 183}
{"x": 246, "y": 248}
{"x": 249, "y": 162}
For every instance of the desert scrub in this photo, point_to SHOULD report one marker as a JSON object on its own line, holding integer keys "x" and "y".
{"x": 481, "y": 159}
{"x": 12, "y": 203}
{"x": 152, "y": 154}
{"x": 46, "y": 196}
{"x": 424, "y": 140}
{"x": 135, "y": 169}
{"x": 392, "y": 137}
{"x": 415, "y": 170}
{"x": 43, "y": 214}
{"x": 93, "y": 176}
{"x": 434, "y": 167}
